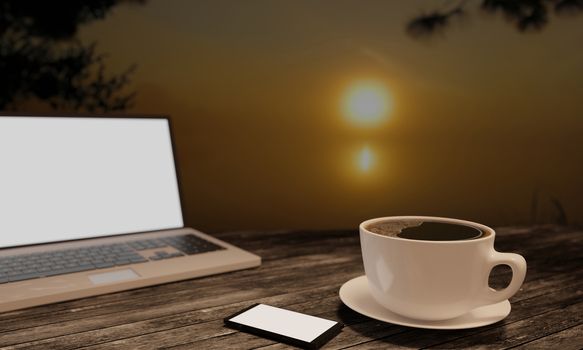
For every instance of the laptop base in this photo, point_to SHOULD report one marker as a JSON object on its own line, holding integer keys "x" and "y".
{"x": 45, "y": 290}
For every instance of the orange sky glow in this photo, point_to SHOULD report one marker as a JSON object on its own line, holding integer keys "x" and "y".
{"x": 468, "y": 125}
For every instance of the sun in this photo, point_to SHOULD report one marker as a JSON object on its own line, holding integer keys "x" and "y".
{"x": 366, "y": 103}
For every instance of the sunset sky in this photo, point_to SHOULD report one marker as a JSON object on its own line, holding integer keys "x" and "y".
{"x": 469, "y": 124}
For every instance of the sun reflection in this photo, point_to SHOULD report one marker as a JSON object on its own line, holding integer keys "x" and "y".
{"x": 365, "y": 159}
{"x": 366, "y": 103}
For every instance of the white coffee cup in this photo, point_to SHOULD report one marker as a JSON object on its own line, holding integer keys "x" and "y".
{"x": 435, "y": 280}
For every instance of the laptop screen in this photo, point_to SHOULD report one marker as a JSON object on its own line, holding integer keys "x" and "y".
{"x": 67, "y": 178}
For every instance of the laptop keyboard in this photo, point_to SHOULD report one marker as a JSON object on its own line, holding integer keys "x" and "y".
{"x": 60, "y": 262}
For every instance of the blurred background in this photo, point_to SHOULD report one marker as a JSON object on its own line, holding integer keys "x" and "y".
{"x": 320, "y": 114}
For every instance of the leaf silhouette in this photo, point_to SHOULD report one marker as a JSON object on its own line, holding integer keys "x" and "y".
{"x": 524, "y": 15}
{"x": 40, "y": 57}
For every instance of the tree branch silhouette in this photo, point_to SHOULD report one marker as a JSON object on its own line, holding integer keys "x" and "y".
{"x": 524, "y": 15}
{"x": 41, "y": 58}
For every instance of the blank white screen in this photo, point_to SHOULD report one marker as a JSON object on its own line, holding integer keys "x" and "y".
{"x": 284, "y": 322}
{"x": 72, "y": 178}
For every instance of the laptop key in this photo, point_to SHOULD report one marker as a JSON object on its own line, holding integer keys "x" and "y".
{"x": 23, "y": 277}
{"x": 8, "y": 272}
{"x": 122, "y": 262}
{"x": 103, "y": 265}
{"x": 69, "y": 270}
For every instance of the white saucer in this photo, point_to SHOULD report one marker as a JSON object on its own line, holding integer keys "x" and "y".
{"x": 356, "y": 296}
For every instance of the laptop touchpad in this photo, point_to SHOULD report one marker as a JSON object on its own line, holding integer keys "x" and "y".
{"x": 113, "y": 276}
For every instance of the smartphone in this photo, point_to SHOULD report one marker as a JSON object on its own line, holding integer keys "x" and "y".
{"x": 294, "y": 328}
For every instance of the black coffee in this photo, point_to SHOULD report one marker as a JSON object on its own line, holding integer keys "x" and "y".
{"x": 440, "y": 231}
{"x": 426, "y": 230}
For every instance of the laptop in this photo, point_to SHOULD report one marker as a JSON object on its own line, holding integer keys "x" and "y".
{"x": 91, "y": 205}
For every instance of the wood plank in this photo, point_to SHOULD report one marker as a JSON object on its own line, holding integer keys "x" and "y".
{"x": 567, "y": 339}
{"x": 523, "y": 331}
{"x": 62, "y": 326}
{"x": 202, "y": 332}
{"x": 544, "y": 288}
{"x": 510, "y": 335}
{"x": 188, "y": 314}
{"x": 76, "y": 305}
{"x": 12, "y": 316}
{"x": 366, "y": 328}
{"x": 206, "y": 315}
{"x": 522, "y": 311}
{"x": 163, "y": 306}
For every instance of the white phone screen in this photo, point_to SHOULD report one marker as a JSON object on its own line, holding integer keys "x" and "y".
{"x": 287, "y": 323}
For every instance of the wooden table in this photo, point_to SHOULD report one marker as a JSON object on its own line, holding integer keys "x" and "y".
{"x": 303, "y": 271}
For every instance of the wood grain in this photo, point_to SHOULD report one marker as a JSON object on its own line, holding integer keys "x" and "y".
{"x": 302, "y": 271}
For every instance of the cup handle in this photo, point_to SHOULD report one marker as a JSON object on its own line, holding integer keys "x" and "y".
{"x": 518, "y": 266}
